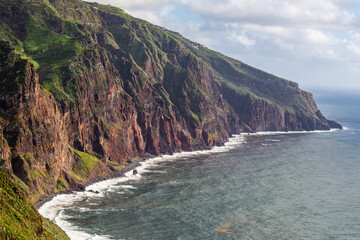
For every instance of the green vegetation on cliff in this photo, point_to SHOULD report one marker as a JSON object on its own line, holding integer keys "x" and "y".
{"x": 83, "y": 166}
{"x": 19, "y": 219}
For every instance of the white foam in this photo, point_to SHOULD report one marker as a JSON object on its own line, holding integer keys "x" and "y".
{"x": 128, "y": 187}
{"x": 82, "y": 209}
{"x": 272, "y": 140}
{"x": 293, "y": 132}
{"x": 103, "y": 186}
{"x": 54, "y": 208}
{"x": 75, "y": 233}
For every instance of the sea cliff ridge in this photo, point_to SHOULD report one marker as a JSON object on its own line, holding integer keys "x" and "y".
{"x": 86, "y": 88}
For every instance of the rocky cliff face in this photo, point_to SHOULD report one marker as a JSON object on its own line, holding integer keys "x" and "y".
{"x": 86, "y": 88}
{"x": 261, "y": 115}
{"x": 36, "y": 146}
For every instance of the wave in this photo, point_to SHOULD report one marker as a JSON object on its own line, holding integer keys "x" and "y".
{"x": 54, "y": 209}
{"x": 292, "y": 132}
{"x": 75, "y": 233}
{"x": 272, "y": 140}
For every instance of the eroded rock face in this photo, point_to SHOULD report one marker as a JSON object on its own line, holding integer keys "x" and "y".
{"x": 33, "y": 126}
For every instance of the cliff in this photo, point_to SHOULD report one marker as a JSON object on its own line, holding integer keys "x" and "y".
{"x": 85, "y": 88}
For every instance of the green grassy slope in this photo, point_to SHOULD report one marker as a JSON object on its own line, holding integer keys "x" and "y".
{"x": 19, "y": 219}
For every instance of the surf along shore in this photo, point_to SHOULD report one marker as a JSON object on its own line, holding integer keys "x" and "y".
{"x": 131, "y": 166}
{"x": 55, "y": 204}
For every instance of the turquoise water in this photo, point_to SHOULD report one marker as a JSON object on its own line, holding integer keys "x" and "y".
{"x": 260, "y": 186}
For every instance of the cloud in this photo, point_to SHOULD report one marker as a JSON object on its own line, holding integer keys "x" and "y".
{"x": 166, "y": 10}
{"x": 353, "y": 44}
{"x": 243, "y": 38}
{"x": 306, "y": 28}
{"x": 329, "y": 14}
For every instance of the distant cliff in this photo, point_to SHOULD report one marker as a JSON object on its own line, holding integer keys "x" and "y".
{"x": 84, "y": 88}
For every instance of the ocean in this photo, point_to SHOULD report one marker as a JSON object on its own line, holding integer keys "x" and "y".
{"x": 295, "y": 185}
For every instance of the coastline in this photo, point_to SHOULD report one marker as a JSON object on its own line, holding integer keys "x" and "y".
{"x": 54, "y": 206}
{"x": 121, "y": 173}
{"x": 136, "y": 163}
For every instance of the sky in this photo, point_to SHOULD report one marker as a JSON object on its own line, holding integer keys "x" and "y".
{"x": 313, "y": 42}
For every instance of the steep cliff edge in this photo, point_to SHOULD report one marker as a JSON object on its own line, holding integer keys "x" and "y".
{"x": 85, "y": 88}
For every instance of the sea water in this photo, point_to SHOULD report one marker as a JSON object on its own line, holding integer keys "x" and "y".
{"x": 260, "y": 186}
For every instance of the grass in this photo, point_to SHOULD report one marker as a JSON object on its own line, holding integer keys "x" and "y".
{"x": 82, "y": 167}
{"x": 54, "y": 230}
{"x": 51, "y": 51}
{"x": 110, "y": 9}
{"x": 48, "y": 47}
{"x": 61, "y": 185}
{"x": 193, "y": 116}
{"x": 37, "y": 174}
{"x": 19, "y": 219}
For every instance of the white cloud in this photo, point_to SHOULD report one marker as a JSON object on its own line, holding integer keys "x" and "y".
{"x": 166, "y": 10}
{"x": 354, "y": 48}
{"x": 311, "y": 36}
{"x": 243, "y": 39}
{"x": 330, "y": 14}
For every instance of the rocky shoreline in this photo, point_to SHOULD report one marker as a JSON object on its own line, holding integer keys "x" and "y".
{"x": 130, "y": 166}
